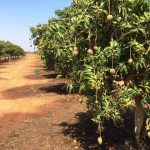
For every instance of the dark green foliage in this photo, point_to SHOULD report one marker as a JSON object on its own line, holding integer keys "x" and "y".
{"x": 8, "y": 49}
{"x": 85, "y": 25}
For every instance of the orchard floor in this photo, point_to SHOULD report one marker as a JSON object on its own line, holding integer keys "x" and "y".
{"x": 36, "y": 112}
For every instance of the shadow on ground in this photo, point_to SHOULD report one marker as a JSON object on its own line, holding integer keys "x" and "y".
{"x": 53, "y": 86}
{"x": 51, "y": 75}
{"x": 59, "y": 88}
{"x": 115, "y": 137}
{"x": 34, "y": 76}
{"x": 35, "y": 89}
{"x": 8, "y": 60}
{"x": 21, "y": 92}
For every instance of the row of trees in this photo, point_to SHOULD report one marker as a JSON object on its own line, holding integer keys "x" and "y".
{"x": 10, "y": 50}
{"x": 103, "y": 46}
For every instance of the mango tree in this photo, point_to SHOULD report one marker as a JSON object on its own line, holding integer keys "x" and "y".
{"x": 103, "y": 46}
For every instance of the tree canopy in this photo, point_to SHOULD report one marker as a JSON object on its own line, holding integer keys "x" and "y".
{"x": 103, "y": 46}
{"x": 8, "y": 49}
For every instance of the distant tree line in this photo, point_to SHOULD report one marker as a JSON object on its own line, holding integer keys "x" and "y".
{"x": 9, "y": 50}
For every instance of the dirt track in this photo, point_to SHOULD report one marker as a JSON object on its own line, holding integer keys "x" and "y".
{"x": 16, "y": 87}
{"x": 17, "y": 93}
{"x": 34, "y": 109}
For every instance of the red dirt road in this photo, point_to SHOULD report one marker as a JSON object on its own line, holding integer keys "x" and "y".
{"x": 31, "y": 104}
{"x": 17, "y": 93}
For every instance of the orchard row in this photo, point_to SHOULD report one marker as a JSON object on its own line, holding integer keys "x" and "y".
{"x": 10, "y": 50}
{"x": 103, "y": 46}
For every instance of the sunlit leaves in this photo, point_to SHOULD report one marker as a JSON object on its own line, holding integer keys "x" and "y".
{"x": 8, "y": 49}
{"x": 84, "y": 25}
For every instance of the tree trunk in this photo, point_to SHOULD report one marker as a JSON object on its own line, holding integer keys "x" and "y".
{"x": 139, "y": 118}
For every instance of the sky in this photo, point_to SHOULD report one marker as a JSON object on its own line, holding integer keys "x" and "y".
{"x": 17, "y": 16}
